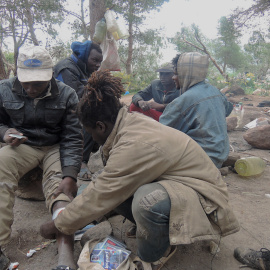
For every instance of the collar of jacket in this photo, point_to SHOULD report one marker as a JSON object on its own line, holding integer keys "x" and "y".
{"x": 17, "y": 88}
{"x": 82, "y": 66}
{"x": 109, "y": 142}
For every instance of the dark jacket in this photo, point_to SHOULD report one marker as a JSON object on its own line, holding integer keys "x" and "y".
{"x": 157, "y": 92}
{"x": 50, "y": 121}
{"x": 73, "y": 72}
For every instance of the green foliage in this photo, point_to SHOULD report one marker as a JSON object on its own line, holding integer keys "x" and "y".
{"x": 226, "y": 50}
{"x": 259, "y": 50}
{"x": 187, "y": 33}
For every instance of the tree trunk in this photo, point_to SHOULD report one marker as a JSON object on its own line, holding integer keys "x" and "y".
{"x": 130, "y": 49}
{"x": 3, "y": 73}
{"x": 97, "y": 10}
{"x": 31, "y": 26}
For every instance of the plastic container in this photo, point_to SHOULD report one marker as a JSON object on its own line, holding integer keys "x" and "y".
{"x": 100, "y": 31}
{"x": 238, "y": 111}
{"x": 249, "y": 166}
{"x": 111, "y": 21}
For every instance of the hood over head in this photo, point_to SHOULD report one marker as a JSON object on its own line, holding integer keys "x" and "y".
{"x": 82, "y": 49}
{"x": 192, "y": 68}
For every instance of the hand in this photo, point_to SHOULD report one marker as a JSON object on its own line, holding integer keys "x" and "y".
{"x": 144, "y": 105}
{"x": 156, "y": 106}
{"x": 67, "y": 186}
{"x": 48, "y": 230}
{"x": 11, "y": 140}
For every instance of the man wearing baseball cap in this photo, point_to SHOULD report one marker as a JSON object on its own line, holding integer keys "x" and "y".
{"x": 40, "y": 128}
{"x": 154, "y": 98}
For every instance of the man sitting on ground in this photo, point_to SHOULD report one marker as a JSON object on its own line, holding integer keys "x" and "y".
{"x": 201, "y": 109}
{"x": 75, "y": 71}
{"x": 40, "y": 128}
{"x": 162, "y": 91}
{"x": 160, "y": 179}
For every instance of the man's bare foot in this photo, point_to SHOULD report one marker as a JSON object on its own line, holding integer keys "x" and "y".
{"x": 84, "y": 173}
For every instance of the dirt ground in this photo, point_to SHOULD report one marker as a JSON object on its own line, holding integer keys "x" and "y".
{"x": 247, "y": 198}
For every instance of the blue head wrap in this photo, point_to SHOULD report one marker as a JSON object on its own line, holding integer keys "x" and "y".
{"x": 81, "y": 49}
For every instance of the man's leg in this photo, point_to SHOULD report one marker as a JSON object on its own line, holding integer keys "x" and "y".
{"x": 88, "y": 145}
{"x": 14, "y": 163}
{"x": 151, "y": 210}
{"x": 52, "y": 176}
{"x": 151, "y": 113}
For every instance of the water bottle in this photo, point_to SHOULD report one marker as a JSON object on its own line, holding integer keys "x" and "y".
{"x": 249, "y": 166}
{"x": 100, "y": 31}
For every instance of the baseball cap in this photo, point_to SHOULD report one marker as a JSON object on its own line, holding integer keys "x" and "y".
{"x": 168, "y": 67}
{"x": 34, "y": 64}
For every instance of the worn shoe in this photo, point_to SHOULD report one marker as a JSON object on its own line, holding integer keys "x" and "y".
{"x": 252, "y": 258}
{"x": 131, "y": 232}
{"x": 4, "y": 261}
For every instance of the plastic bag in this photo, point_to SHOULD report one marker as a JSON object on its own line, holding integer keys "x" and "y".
{"x": 111, "y": 58}
{"x": 84, "y": 262}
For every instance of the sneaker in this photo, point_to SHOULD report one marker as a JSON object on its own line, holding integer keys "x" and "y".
{"x": 4, "y": 261}
{"x": 252, "y": 258}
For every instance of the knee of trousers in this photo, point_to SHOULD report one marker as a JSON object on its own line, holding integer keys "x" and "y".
{"x": 150, "y": 202}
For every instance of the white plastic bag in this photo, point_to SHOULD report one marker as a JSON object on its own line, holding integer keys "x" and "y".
{"x": 111, "y": 58}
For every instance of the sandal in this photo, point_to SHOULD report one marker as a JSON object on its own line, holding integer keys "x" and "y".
{"x": 160, "y": 263}
{"x": 84, "y": 172}
{"x": 63, "y": 267}
{"x": 131, "y": 232}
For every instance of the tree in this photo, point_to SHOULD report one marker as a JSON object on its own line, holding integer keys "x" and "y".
{"x": 97, "y": 10}
{"x": 190, "y": 39}
{"x": 134, "y": 13}
{"x": 21, "y": 18}
{"x": 244, "y": 17}
{"x": 227, "y": 51}
{"x": 259, "y": 49}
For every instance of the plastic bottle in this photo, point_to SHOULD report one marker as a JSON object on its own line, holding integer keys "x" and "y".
{"x": 111, "y": 21}
{"x": 238, "y": 111}
{"x": 249, "y": 166}
{"x": 100, "y": 31}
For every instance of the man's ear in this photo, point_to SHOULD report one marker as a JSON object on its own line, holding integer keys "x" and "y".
{"x": 101, "y": 126}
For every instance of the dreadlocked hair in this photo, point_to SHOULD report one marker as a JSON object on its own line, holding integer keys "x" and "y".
{"x": 100, "y": 101}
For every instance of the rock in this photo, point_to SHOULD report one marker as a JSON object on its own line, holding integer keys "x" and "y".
{"x": 30, "y": 185}
{"x": 231, "y": 123}
{"x": 231, "y": 160}
{"x": 97, "y": 233}
{"x": 264, "y": 103}
{"x": 224, "y": 171}
{"x": 234, "y": 89}
{"x": 260, "y": 92}
{"x": 258, "y": 137}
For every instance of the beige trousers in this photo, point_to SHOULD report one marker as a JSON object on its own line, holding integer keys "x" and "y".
{"x": 16, "y": 162}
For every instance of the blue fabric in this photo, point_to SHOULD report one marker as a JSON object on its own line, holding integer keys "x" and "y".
{"x": 201, "y": 113}
{"x": 149, "y": 209}
{"x": 82, "y": 50}
{"x": 59, "y": 77}
{"x": 155, "y": 91}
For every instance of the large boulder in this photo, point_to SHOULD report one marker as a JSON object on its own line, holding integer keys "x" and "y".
{"x": 234, "y": 89}
{"x": 259, "y": 137}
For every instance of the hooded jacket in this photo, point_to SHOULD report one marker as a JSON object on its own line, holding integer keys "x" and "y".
{"x": 199, "y": 198}
{"x": 73, "y": 70}
{"x": 201, "y": 109}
